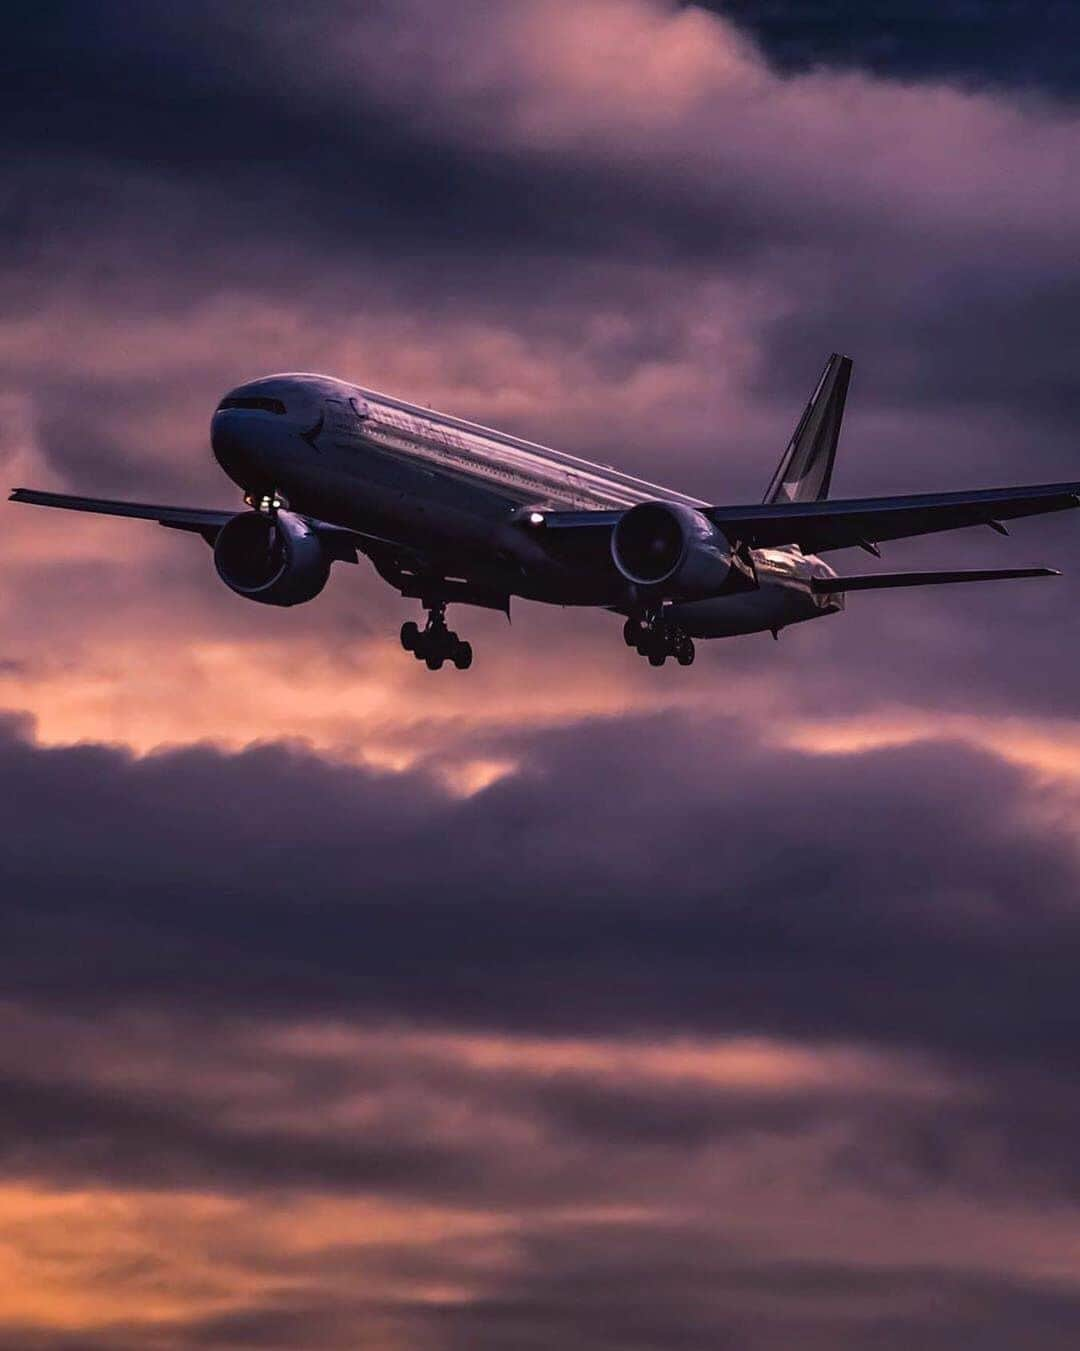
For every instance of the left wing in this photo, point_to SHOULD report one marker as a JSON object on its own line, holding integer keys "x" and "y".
{"x": 817, "y": 527}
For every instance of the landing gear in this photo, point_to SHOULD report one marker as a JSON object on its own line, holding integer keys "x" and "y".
{"x": 657, "y": 638}
{"x": 684, "y": 651}
{"x": 435, "y": 644}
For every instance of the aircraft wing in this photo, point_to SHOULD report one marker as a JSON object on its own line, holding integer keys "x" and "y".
{"x": 342, "y": 542}
{"x": 817, "y": 527}
{"x": 177, "y": 518}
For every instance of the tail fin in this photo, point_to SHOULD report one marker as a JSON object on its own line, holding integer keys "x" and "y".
{"x": 805, "y": 470}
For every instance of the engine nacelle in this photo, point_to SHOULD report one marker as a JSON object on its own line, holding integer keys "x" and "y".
{"x": 275, "y": 560}
{"x": 674, "y": 551}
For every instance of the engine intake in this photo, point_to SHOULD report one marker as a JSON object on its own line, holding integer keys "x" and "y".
{"x": 275, "y": 560}
{"x": 673, "y": 550}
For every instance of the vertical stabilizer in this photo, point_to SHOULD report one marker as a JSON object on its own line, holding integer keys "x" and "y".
{"x": 805, "y": 470}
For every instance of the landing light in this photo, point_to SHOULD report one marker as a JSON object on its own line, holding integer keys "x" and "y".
{"x": 536, "y": 518}
{"x": 267, "y": 502}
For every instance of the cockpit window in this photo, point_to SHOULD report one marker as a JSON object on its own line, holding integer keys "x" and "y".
{"x": 253, "y": 401}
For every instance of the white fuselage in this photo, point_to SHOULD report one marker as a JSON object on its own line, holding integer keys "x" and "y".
{"x": 460, "y": 492}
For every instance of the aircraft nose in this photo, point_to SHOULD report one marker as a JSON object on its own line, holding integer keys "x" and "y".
{"x": 253, "y": 432}
{"x": 247, "y": 448}
{"x": 229, "y": 443}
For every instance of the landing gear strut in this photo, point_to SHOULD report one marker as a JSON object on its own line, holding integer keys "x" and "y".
{"x": 657, "y": 638}
{"x": 435, "y": 644}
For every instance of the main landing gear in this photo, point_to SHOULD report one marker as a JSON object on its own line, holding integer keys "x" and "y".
{"x": 658, "y": 638}
{"x": 435, "y": 644}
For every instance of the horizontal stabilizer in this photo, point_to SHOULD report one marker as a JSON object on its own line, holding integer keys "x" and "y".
{"x": 827, "y": 586}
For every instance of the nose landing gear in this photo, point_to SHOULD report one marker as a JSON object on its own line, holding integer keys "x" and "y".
{"x": 657, "y": 638}
{"x": 435, "y": 644}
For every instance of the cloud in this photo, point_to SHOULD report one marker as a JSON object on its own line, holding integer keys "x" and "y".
{"x": 351, "y": 889}
{"x": 569, "y": 1003}
{"x": 981, "y": 44}
{"x": 809, "y": 1184}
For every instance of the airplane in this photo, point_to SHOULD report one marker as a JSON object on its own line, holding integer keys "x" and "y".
{"x": 450, "y": 512}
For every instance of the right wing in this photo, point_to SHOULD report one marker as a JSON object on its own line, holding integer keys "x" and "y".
{"x": 205, "y": 523}
{"x": 341, "y": 542}
{"x": 411, "y": 572}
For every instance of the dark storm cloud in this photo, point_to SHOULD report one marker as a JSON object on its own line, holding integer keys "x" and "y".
{"x": 190, "y": 1101}
{"x": 101, "y": 91}
{"x": 70, "y": 1132}
{"x": 167, "y": 1098}
{"x": 1027, "y": 43}
{"x": 277, "y": 146}
{"x": 883, "y": 896}
{"x": 582, "y": 1299}
{"x": 598, "y": 1310}
{"x": 578, "y": 1293}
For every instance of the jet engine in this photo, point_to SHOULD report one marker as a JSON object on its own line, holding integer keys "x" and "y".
{"x": 276, "y": 560}
{"x": 673, "y": 550}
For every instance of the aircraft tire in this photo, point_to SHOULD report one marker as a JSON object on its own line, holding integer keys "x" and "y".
{"x": 462, "y": 655}
{"x": 410, "y": 636}
{"x": 685, "y": 654}
{"x": 434, "y": 661}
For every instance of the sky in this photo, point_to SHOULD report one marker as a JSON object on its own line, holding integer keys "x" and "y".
{"x": 569, "y": 1003}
